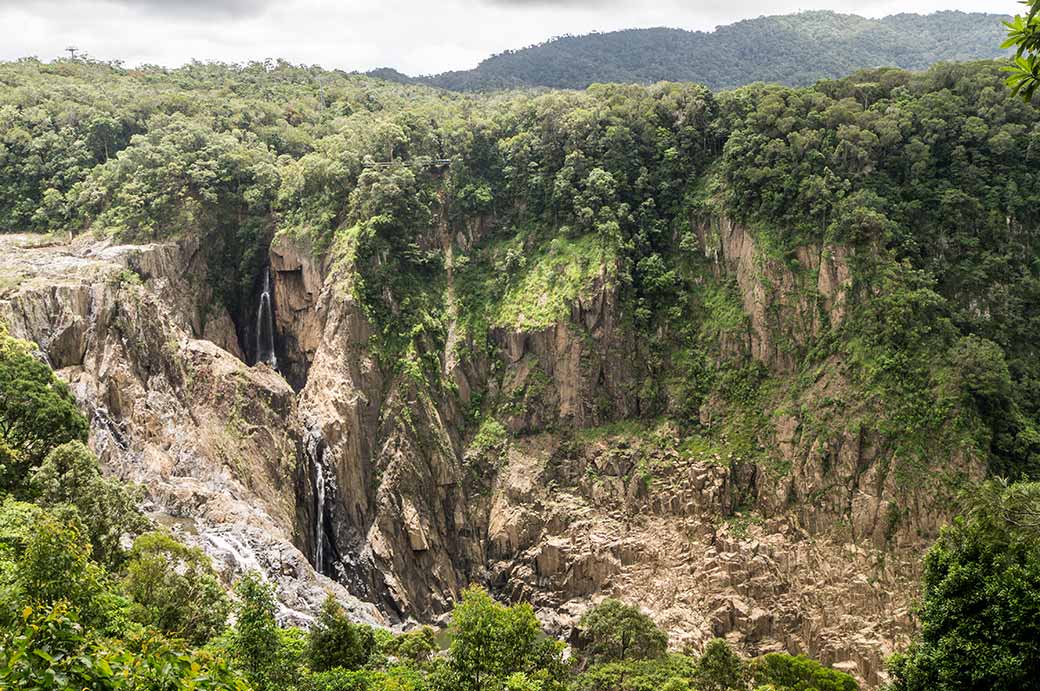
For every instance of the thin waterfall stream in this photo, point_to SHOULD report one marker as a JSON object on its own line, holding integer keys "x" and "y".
{"x": 265, "y": 325}
{"x": 319, "y": 520}
{"x": 314, "y": 449}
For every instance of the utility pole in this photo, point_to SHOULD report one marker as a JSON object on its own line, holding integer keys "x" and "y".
{"x": 72, "y": 50}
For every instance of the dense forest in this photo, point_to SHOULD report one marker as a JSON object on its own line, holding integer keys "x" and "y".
{"x": 930, "y": 182}
{"x": 884, "y": 160}
{"x": 795, "y": 49}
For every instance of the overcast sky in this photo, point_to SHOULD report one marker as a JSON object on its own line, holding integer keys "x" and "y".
{"x": 415, "y": 36}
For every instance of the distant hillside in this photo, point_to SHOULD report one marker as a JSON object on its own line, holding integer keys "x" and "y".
{"x": 796, "y": 49}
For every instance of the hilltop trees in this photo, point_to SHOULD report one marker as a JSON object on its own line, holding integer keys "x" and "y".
{"x": 797, "y": 49}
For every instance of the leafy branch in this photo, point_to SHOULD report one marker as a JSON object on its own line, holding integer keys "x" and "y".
{"x": 1024, "y": 34}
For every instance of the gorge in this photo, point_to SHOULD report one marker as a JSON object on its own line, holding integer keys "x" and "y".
{"x": 732, "y": 357}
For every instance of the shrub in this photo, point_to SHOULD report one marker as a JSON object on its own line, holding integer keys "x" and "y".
{"x": 335, "y": 641}
{"x": 175, "y": 588}
{"x": 613, "y": 631}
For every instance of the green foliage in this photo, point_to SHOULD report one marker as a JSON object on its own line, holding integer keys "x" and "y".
{"x": 339, "y": 679}
{"x": 268, "y": 655}
{"x": 175, "y": 589}
{"x": 334, "y": 641}
{"x": 181, "y": 177}
{"x": 37, "y": 412}
{"x": 50, "y": 650}
{"x": 792, "y": 49}
{"x": 69, "y": 480}
{"x": 1024, "y": 36}
{"x": 615, "y": 632}
{"x": 551, "y": 283}
{"x": 491, "y": 435}
{"x": 416, "y": 646}
{"x": 490, "y": 643}
{"x": 876, "y": 162}
{"x": 720, "y": 669}
{"x": 55, "y": 566}
{"x": 981, "y": 608}
{"x": 182, "y": 172}
{"x": 666, "y": 672}
{"x": 798, "y": 673}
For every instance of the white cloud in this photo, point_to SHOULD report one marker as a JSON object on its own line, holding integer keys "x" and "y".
{"x": 414, "y": 36}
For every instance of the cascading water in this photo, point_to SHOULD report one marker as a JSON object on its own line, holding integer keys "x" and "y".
{"x": 314, "y": 448}
{"x": 319, "y": 520}
{"x": 265, "y": 326}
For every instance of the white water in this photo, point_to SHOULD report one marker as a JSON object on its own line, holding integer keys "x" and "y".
{"x": 265, "y": 326}
{"x": 242, "y": 556}
{"x": 224, "y": 546}
{"x": 319, "y": 519}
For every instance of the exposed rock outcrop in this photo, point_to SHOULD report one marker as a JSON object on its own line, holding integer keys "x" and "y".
{"x": 420, "y": 516}
{"x": 212, "y": 441}
{"x": 300, "y": 317}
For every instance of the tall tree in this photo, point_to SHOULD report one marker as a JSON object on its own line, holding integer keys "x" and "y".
{"x": 615, "y": 632}
{"x": 335, "y": 641}
{"x": 494, "y": 645}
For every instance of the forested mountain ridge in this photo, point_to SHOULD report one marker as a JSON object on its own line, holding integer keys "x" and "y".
{"x": 734, "y": 356}
{"x": 796, "y": 49}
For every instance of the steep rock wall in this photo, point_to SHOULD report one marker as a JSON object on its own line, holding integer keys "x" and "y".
{"x": 555, "y": 521}
{"x": 212, "y": 442}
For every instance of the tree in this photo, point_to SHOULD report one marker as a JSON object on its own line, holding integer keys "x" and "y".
{"x": 37, "y": 411}
{"x": 1024, "y": 35}
{"x": 719, "y": 668}
{"x": 491, "y": 643}
{"x": 798, "y": 673}
{"x": 49, "y": 562}
{"x": 665, "y": 672}
{"x": 335, "y": 641}
{"x": 256, "y": 641}
{"x": 416, "y": 646}
{"x": 980, "y": 616}
{"x": 175, "y": 589}
{"x": 69, "y": 480}
{"x": 614, "y": 631}
{"x": 48, "y": 649}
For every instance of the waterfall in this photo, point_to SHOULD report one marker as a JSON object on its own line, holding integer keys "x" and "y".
{"x": 314, "y": 450}
{"x": 319, "y": 519}
{"x": 243, "y": 558}
{"x": 265, "y": 325}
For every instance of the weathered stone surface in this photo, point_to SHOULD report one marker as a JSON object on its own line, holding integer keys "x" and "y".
{"x": 298, "y": 278}
{"x": 211, "y": 441}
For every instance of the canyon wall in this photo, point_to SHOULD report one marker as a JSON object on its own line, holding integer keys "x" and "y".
{"x": 337, "y": 474}
{"x": 156, "y": 368}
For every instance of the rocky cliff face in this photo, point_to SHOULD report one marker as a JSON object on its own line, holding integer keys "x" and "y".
{"x": 375, "y": 478}
{"x": 214, "y": 444}
{"x": 820, "y": 558}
